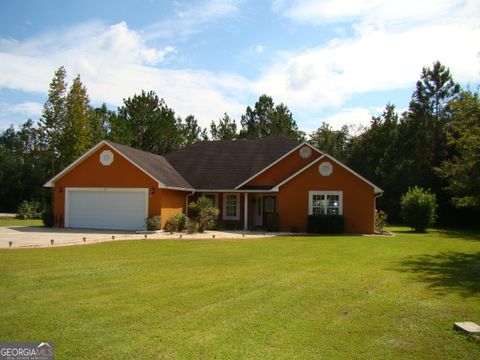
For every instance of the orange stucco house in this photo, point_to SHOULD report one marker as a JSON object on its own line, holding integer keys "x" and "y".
{"x": 113, "y": 186}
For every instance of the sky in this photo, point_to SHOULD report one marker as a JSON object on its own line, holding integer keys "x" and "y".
{"x": 333, "y": 61}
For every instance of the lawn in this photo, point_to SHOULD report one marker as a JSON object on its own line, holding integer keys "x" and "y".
{"x": 11, "y": 221}
{"x": 345, "y": 297}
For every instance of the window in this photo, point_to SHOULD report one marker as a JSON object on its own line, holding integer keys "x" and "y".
{"x": 231, "y": 206}
{"x": 325, "y": 203}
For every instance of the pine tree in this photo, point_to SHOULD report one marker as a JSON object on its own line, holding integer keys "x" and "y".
{"x": 52, "y": 122}
{"x": 77, "y": 136}
{"x": 225, "y": 130}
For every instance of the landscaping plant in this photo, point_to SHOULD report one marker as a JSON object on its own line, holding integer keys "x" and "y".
{"x": 153, "y": 223}
{"x": 418, "y": 208}
{"x": 203, "y": 212}
{"x": 177, "y": 222}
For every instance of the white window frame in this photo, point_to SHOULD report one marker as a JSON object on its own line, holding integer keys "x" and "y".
{"x": 215, "y": 202}
{"x": 225, "y": 217}
{"x": 310, "y": 200}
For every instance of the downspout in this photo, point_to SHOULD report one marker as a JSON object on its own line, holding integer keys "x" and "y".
{"x": 186, "y": 202}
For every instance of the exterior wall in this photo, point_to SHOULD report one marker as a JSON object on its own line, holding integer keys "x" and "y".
{"x": 172, "y": 201}
{"x": 358, "y": 199}
{"x": 120, "y": 174}
{"x": 283, "y": 169}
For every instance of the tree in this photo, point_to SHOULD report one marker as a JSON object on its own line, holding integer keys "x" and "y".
{"x": 375, "y": 155}
{"x": 225, "y": 130}
{"x": 152, "y": 123}
{"x": 267, "y": 119}
{"x": 422, "y": 142}
{"x": 190, "y": 130}
{"x": 77, "y": 129}
{"x": 462, "y": 170}
{"x": 53, "y": 118}
{"x": 333, "y": 142}
{"x": 418, "y": 208}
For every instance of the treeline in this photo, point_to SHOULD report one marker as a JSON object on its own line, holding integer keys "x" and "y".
{"x": 434, "y": 144}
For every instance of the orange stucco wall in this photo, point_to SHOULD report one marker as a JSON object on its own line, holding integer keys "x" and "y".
{"x": 358, "y": 199}
{"x": 120, "y": 174}
{"x": 283, "y": 169}
{"x": 172, "y": 202}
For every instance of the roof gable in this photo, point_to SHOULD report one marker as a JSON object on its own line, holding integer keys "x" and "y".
{"x": 376, "y": 189}
{"x": 247, "y": 183}
{"x": 155, "y": 166}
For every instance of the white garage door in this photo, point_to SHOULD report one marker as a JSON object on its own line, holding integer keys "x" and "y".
{"x": 122, "y": 209}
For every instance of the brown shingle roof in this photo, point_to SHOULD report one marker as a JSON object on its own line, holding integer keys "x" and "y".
{"x": 226, "y": 164}
{"x": 157, "y": 166}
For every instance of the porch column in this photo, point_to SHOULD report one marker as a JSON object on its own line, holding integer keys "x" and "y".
{"x": 245, "y": 212}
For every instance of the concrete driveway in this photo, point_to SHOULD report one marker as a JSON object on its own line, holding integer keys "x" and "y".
{"x": 31, "y": 236}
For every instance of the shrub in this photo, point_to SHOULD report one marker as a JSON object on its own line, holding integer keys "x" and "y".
{"x": 203, "y": 212}
{"x": 380, "y": 221}
{"x": 227, "y": 225}
{"x": 176, "y": 222}
{"x": 273, "y": 222}
{"x": 326, "y": 224}
{"x": 418, "y": 208}
{"x": 153, "y": 223}
{"x": 47, "y": 216}
{"x": 192, "y": 226}
{"x": 31, "y": 209}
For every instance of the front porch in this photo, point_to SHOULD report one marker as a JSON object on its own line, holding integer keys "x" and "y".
{"x": 247, "y": 210}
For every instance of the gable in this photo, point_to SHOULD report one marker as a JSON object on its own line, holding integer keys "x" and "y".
{"x": 284, "y": 167}
{"x": 90, "y": 172}
{"x": 154, "y": 166}
{"x": 341, "y": 174}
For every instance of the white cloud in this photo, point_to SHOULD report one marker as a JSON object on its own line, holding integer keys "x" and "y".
{"x": 192, "y": 20}
{"x": 379, "y": 57}
{"x": 352, "y": 117}
{"x": 18, "y": 113}
{"x": 114, "y": 63}
{"x": 377, "y": 11}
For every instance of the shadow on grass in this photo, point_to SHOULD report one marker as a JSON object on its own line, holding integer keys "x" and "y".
{"x": 446, "y": 272}
{"x": 444, "y": 232}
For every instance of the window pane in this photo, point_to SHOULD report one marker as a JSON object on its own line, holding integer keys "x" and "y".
{"x": 231, "y": 206}
{"x": 326, "y": 204}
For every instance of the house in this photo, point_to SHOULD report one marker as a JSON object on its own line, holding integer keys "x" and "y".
{"x": 113, "y": 186}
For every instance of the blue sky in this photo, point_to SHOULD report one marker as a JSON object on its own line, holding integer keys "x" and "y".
{"x": 338, "y": 61}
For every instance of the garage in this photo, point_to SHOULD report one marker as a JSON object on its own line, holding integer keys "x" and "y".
{"x": 106, "y": 208}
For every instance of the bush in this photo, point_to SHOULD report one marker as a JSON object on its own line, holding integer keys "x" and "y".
{"x": 176, "y": 222}
{"x": 153, "y": 223}
{"x": 203, "y": 212}
{"x": 227, "y": 225}
{"x": 192, "y": 226}
{"x": 47, "y": 216}
{"x": 418, "y": 208}
{"x": 380, "y": 221}
{"x": 326, "y": 224}
{"x": 32, "y": 209}
{"x": 273, "y": 222}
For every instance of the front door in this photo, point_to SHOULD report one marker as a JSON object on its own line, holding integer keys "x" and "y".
{"x": 258, "y": 209}
{"x": 269, "y": 206}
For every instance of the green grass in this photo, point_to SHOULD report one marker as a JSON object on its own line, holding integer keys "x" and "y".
{"x": 11, "y": 221}
{"x": 326, "y": 297}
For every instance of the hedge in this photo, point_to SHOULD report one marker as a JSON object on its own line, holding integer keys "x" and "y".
{"x": 326, "y": 224}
